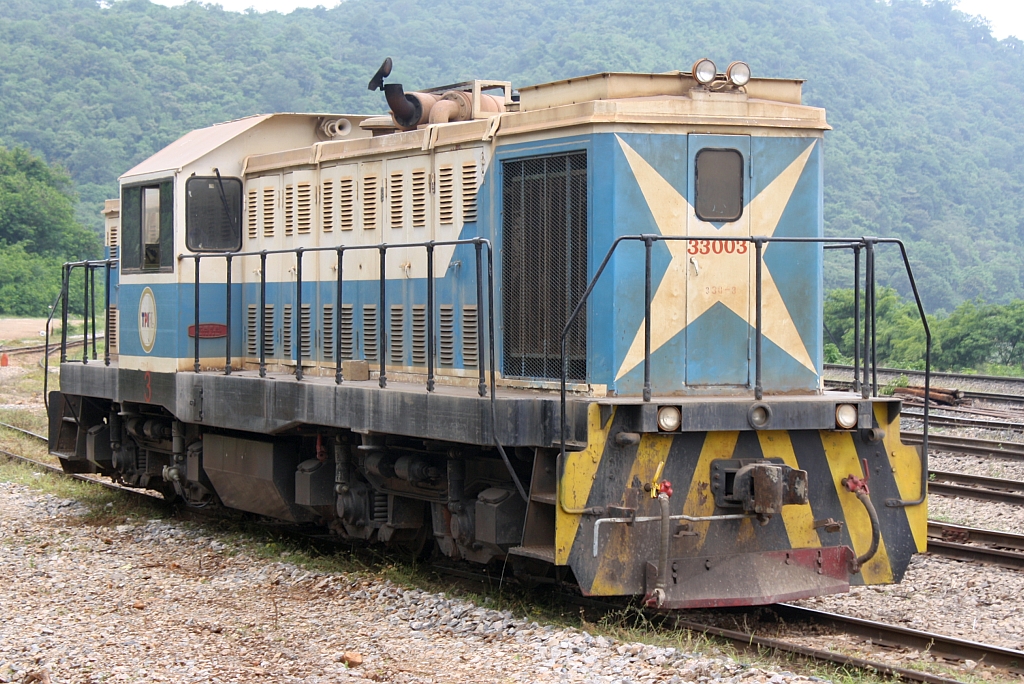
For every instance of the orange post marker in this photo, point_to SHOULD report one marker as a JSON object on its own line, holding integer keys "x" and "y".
{"x": 3, "y": 360}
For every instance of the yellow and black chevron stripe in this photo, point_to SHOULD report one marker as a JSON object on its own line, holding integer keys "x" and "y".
{"x": 607, "y": 474}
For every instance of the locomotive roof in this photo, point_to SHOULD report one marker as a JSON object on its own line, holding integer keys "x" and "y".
{"x": 196, "y": 144}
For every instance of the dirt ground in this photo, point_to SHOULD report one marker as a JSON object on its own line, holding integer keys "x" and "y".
{"x": 18, "y": 329}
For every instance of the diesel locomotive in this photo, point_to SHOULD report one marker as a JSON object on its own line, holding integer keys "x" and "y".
{"x": 575, "y": 327}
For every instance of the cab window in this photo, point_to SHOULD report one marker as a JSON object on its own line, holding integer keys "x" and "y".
{"x": 213, "y": 214}
{"x": 147, "y": 227}
{"x": 719, "y": 180}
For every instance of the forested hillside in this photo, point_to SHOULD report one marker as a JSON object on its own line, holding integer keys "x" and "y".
{"x": 927, "y": 146}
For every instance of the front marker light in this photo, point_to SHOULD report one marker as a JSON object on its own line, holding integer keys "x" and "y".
{"x": 669, "y": 418}
{"x": 846, "y": 416}
{"x": 704, "y": 70}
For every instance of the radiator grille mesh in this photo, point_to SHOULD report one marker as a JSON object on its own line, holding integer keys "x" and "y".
{"x": 544, "y": 264}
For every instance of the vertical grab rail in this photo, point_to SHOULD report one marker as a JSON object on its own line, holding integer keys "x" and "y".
{"x": 92, "y": 306}
{"x": 297, "y": 322}
{"x": 648, "y": 244}
{"x": 85, "y": 315}
{"x": 339, "y": 376}
{"x": 430, "y": 318}
{"x": 758, "y": 251}
{"x": 482, "y": 385}
{"x": 196, "y": 291}
{"x": 263, "y": 314}
{"x": 856, "y": 319}
{"x": 382, "y": 320}
{"x": 227, "y": 318}
{"x": 106, "y": 326}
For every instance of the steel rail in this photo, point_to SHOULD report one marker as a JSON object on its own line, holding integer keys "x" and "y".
{"x": 23, "y": 431}
{"x": 947, "y": 647}
{"x": 968, "y": 445}
{"x": 973, "y": 544}
{"x": 37, "y": 348}
{"x": 966, "y": 421}
{"x": 940, "y": 374}
{"x": 977, "y": 535}
{"x": 976, "y": 487}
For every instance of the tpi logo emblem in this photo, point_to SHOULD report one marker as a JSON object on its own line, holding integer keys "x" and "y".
{"x": 147, "y": 320}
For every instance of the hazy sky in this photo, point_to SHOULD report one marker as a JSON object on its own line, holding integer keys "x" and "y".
{"x": 1005, "y": 16}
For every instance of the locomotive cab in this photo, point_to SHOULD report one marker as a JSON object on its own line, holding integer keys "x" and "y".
{"x": 580, "y": 329}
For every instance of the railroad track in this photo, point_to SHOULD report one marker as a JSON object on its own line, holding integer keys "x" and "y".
{"x": 976, "y": 487}
{"x": 878, "y": 633}
{"x": 990, "y": 547}
{"x": 965, "y": 421}
{"x": 40, "y": 347}
{"x": 967, "y": 377}
{"x": 968, "y": 445}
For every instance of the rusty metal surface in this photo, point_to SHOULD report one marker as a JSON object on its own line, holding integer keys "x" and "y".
{"x": 753, "y": 578}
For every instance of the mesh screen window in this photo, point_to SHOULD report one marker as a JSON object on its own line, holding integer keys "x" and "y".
{"x": 544, "y": 264}
{"x": 719, "y": 178}
{"x": 213, "y": 214}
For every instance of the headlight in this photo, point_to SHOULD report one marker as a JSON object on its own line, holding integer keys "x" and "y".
{"x": 704, "y": 71}
{"x": 738, "y": 73}
{"x": 846, "y": 416}
{"x": 669, "y": 418}
{"x": 759, "y": 415}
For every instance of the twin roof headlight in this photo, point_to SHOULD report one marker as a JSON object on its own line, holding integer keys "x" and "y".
{"x": 705, "y": 71}
{"x": 738, "y": 73}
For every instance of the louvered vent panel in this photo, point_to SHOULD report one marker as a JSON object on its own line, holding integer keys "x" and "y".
{"x": 370, "y": 332}
{"x": 286, "y": 331}
{"x": 304, "y": 208}
{"x": 370, "y": 203}
{"x": 252, "y": 333}
{"x": 446, "y": 193}
{"x": 347, "y": 333}
{"x": 398, "y": 334}
{"x": 470, "y": 343}
{"x": 419, "y": 198}
{"x": 327, "y": 328}
{"x": 327, "y": 205}
{"x": 113, "y": 330}
{"x": 289, "y": 209}
{"x": 268, "y": 330}
{"x": 397, "y": 199}
{"x": 347, "y": 203}
{"x": 113, "y": 237}
{"x": 419, "y": 335}
{"x": 447, "y": 351}
{"x": 306, "y": 332}
{"x": 269, "y": 207}
{"x": 469, "y": 192}
{"x": 251, "y": 208}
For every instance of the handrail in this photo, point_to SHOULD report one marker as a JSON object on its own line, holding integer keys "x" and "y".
{"x": 870, "y": 362}
{"x": 67, "y": 269}
{"x": 340, "y": 250}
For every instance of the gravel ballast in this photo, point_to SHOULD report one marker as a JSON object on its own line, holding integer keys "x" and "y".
{"x": 155, "y": 601}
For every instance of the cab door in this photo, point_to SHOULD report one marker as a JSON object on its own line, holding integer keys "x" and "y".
{"x": 718, "y": 292}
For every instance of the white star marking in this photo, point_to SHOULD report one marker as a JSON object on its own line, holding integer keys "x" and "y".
{"x": 724, "y": 277}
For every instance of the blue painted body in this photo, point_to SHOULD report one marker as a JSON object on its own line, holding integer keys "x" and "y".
{"x": 714, "y": 351}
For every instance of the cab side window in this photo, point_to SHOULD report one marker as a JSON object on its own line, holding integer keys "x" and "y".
{"x": 213, "y": 214}
{"x": 147, "y": 227}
